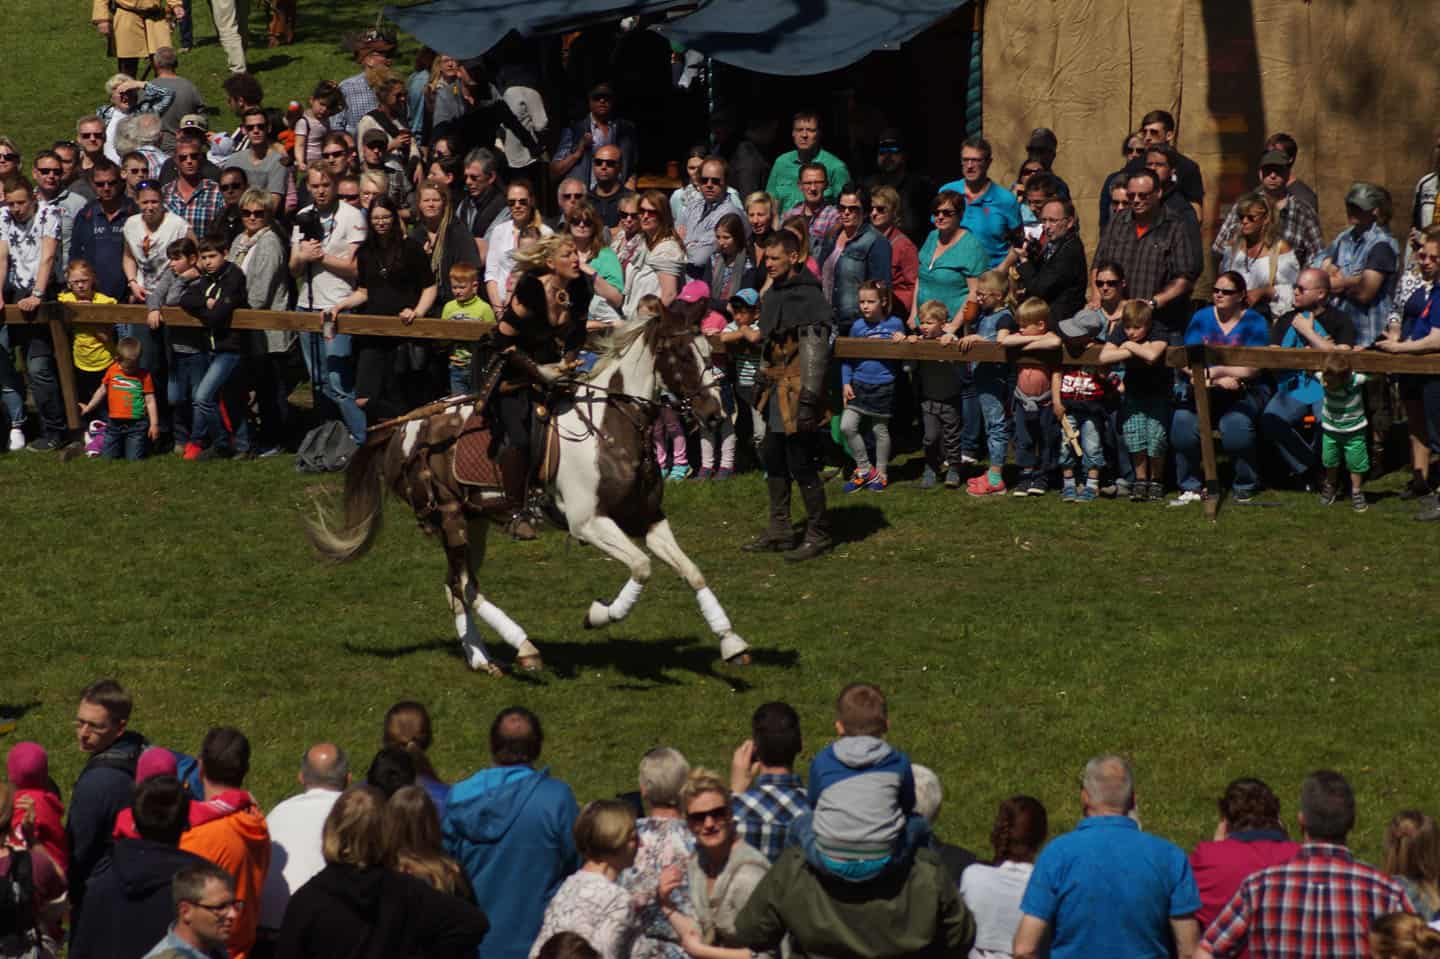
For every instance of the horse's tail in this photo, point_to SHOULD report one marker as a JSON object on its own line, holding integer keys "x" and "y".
{"x": 364, "y": 502}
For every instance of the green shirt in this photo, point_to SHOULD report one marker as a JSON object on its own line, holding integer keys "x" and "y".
{"x": 1344, "y": 410}
{"x": 784, "y": 183}
{"x": 472, "y": 309}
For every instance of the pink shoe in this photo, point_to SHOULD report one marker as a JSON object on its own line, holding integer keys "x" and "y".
{"x": 981, "y": 486}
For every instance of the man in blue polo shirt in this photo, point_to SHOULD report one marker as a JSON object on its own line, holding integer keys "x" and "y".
{"x": 992, "y": 213}
{"x": 1108, "y": 889}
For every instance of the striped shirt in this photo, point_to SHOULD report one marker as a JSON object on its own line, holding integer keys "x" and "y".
{"x": 1318, "y": 904}
{"x": 1344, "y": 410}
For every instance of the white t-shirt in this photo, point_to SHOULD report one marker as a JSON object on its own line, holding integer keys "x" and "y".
{"x": 24, "y": 240}
{"x": 319, "y": 288}
{"x": 501, "y": 240}
{"x": 992, "y": 894}
{"x": 148, "y": 249}
{"x": 296, "y": 826}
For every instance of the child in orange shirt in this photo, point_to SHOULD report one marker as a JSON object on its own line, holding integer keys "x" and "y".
{"x": 131, "y": 395}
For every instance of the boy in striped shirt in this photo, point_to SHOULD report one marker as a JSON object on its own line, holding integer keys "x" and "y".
{"x": 1342, "y": 424}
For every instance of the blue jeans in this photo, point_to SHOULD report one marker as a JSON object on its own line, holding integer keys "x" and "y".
{"x": 187, "y": 27}
{"x": 1237, "y": 416}
{"x": 207, "y": 424}
{"x": 1036, "y": 438}
{"x": 459, "y": 380}
{"x": 187, "y": 370}
{"x": 333, "y": 371}
{"x": 125, "y": 438}
{"x": 35, "y": 343}
{"x": 1089, "y": 425}
{"x": 992, "y": 396}
{"x": 12, "y": 386}
{"x": 1281, "y": 422}
{"x": 154, "y": 356}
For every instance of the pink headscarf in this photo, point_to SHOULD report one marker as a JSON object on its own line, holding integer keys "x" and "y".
{"x": 155, "y": 761}
{"x": 28, "y": 769}
{"x": 28, "y": 766}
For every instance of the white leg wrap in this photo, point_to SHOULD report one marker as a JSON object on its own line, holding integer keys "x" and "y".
{"x": 732, "y": 646}
{"x": 715, "y": 617}
{"x": 629, "y": 595}
{"x": 494, "y": 617}
{"x": 470, "y": 641}
{"x": 599, "y": 615}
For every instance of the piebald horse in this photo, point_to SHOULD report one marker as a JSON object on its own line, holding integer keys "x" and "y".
{"x": 605, "y": 482}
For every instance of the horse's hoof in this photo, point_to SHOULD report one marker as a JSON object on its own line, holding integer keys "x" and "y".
{"x": 529, "y": 664}
{"x": 494, "y": 670}
{"x": 734, "y": 650}
{"x": 598, "y": 615}
{"x": 741, "y": 659}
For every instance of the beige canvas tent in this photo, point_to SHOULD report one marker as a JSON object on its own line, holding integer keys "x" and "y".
{"x": 1356, "y": 82}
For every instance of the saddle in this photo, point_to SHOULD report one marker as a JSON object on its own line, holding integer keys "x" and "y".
{"x": 475, "y": 465}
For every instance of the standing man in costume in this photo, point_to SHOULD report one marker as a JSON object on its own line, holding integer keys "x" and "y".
{"x": 795, "y": 338}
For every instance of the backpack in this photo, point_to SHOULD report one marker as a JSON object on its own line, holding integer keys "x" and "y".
{"x": 17, "y": 897}
{"x": 326, "y": 449}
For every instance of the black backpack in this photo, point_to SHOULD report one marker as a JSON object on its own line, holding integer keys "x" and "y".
{"x": 17, "y": 897}
{"x": 327, "y": 448}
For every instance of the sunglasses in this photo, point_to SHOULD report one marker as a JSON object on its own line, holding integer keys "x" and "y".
{"x": 257, "y": 126}
{"x": 571, "y": 196}
{"x": 849, "y": 207}
{"x": 517, "y": 202}
{"x": 1134, "y": 151}
{"x": 600, "y": 162}
{"x": 645, "y": 211}
{"x": 712, "y": 181}
{"x": 602, "y": 96}
{"x": 104, "y": 184}
{"x": 334, "y": 154}
{"x": 187, "y": 157}
{"x": 1225, "y": 291}
{"x": 879, "y": 209}
{"x": 226, "y": 187}
{"x": 1252, "y": 217}
{"x": 628, "y": 214}
{"x": 350, "y": 197}
{"x": 92, "y": 136}
{"x": 9, "y": 157}
{"x": 48, "y": 170}
{"x": 701, "y": 816}
{"x": 252, "y": 214}
{"x": 1107, "y": 283}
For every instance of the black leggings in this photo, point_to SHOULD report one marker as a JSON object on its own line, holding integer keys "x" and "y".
{"x": 513, "y": 412}
{"x": 795, "y": 456}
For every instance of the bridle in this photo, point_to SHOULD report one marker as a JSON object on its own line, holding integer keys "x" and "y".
{"x": 639, "y": 410}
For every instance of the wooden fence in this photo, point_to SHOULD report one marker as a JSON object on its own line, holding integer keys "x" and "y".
{"x": 60, "y": 317}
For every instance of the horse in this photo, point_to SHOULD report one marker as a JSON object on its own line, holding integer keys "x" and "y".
{"x": 605, "y": 482}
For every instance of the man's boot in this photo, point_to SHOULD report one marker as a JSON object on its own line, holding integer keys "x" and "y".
{"x": 778, "y": 537}
{"x": 817, "y": 526}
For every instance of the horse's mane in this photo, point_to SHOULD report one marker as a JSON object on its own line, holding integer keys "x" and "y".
{"x": 621, "y": 338}
{"x": 677, "y": 317}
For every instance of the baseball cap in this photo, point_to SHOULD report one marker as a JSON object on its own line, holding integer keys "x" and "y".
{"x": 1366, "y": 196}
{"x": 1275, "y": 158}
{"x": 694, "y": 292}
{"x": 600, "y": 88}
{"x": 747, "y": 296}
{"x": 1085, "y": 325}
{"x": 194, "y": 121}
{"x": 890, "y": 142}
{"x": 375, "y": 136}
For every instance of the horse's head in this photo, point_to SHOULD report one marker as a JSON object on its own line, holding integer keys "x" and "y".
{"x": 682, "y": 359}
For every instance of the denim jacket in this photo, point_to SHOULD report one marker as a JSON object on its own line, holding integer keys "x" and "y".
{"x": 1349, "y": 254}
{"x": 866, "y": 257}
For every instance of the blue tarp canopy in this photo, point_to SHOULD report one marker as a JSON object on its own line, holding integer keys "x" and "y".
{"x": 804, "y": 37}
{"x": 782, "y": 37}
{"x": 468, "y": 28}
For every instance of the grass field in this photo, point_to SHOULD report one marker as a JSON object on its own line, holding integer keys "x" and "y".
{"x": 1014, "y": 638}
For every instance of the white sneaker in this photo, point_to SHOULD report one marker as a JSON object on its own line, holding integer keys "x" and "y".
{"x": 17, "y": 438}
{"x": 1185, "y": 498}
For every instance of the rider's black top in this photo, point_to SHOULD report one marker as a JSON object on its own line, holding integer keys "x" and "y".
{"x": 534, "y": 335}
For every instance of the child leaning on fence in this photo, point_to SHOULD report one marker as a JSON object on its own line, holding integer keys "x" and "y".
{"x": 91, "y": 348}
{"x": 993, "y": 322}
{"x": 466, "y": 305}
{"x": 187, "y": 348}
{"x": 868, "y": 390}
{"x": 1077, "y": 394}
{"x": 1145, "y": 410}
{"x": 129, "y": 393}
{"x": 939, "y": 388}
{"x": 1036, "y": 433}
{"x": 1343, "y": 431}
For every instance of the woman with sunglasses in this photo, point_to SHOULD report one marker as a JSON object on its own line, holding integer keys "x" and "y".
{"x": 904, "y": 257}
{"x": 260, "y": 252}
{"x": 951, "y": 260}
{"x": 599, "y": 263}
{"x": 1259, "y": 254}
{"x": 1133, "y": 149}
{"x": 504, "y": 236}
{"x": 1237, "y": 394}
{"x": 662, "y": 266}
{"x": 721, "y": 874}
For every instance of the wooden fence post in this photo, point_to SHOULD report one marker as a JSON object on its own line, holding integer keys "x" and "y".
{"x": 64, "y": 367}
{"x": 1200, "y": 383}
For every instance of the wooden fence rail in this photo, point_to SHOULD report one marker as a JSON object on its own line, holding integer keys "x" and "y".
{"x": 60, "y": 317}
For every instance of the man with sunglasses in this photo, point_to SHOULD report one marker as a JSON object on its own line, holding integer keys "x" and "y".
{"x": 570, "y": 192}
{"x": 68, "y": 151}
{"x": 915, "y": 190}
{"x": 1158, "y": 252}
{"x": 191, "y": 196}
{"x": 193, "y": 129}
{"x": 90, "y": 134}
{"x": 607, "y": 191}
{"x": 49, "y": 174}
{"x": 99, "y": 232}
{"x": 206, "y": 914}
{"x": 29, "y": 249}
{"x": 484, "y": 200}
{"x": 372, "y": 52}
{"x": 231, "y": 223}
{"x": 697, "y": 222}
{"x": 1133, "y": 149}
{"x": 264, "y": 166}
{"x": 575, "y": 154}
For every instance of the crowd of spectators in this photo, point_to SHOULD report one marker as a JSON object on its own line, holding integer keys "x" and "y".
{"x": 157, "y": 853}
{"x": 384, "y": 193}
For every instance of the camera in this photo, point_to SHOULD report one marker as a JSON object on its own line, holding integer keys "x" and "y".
{"x": 309, "y": 225}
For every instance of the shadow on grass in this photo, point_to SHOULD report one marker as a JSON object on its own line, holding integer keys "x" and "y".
{"x": 644, "y": 663}
{"x": 850, "y": 524}
{"x": 18, "y": 710}
{"x": 270, "y": 61}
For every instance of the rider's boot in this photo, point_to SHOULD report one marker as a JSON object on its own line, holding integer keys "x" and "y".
{"x": 778, "y": 537}
{"x": 514, "y": 471}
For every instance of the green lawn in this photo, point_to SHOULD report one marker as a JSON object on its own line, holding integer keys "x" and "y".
{"x": 1014, "y": 638}
{"x": 56, "y": 65}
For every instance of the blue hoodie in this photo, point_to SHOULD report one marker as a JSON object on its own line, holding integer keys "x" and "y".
{"x": 512, "y": 830}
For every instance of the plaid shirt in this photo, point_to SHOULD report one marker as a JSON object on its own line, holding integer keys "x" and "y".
{"x": 1299, "y": 226}
{"x": 1169, "y": 250}
{"x": 204, "y": 208}
{"x": 1318, "y": 904}
{"x": 763, "y": 812}
{"x": 822, "y": 224}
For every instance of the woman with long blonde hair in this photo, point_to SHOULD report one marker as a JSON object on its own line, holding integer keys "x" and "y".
{"x": 1412, "y": 857}
{"x": 1267, "y": 263}
{"x": 412, "y": 843}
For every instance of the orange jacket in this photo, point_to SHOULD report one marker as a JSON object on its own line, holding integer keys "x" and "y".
{"x": 239, "y": 843}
